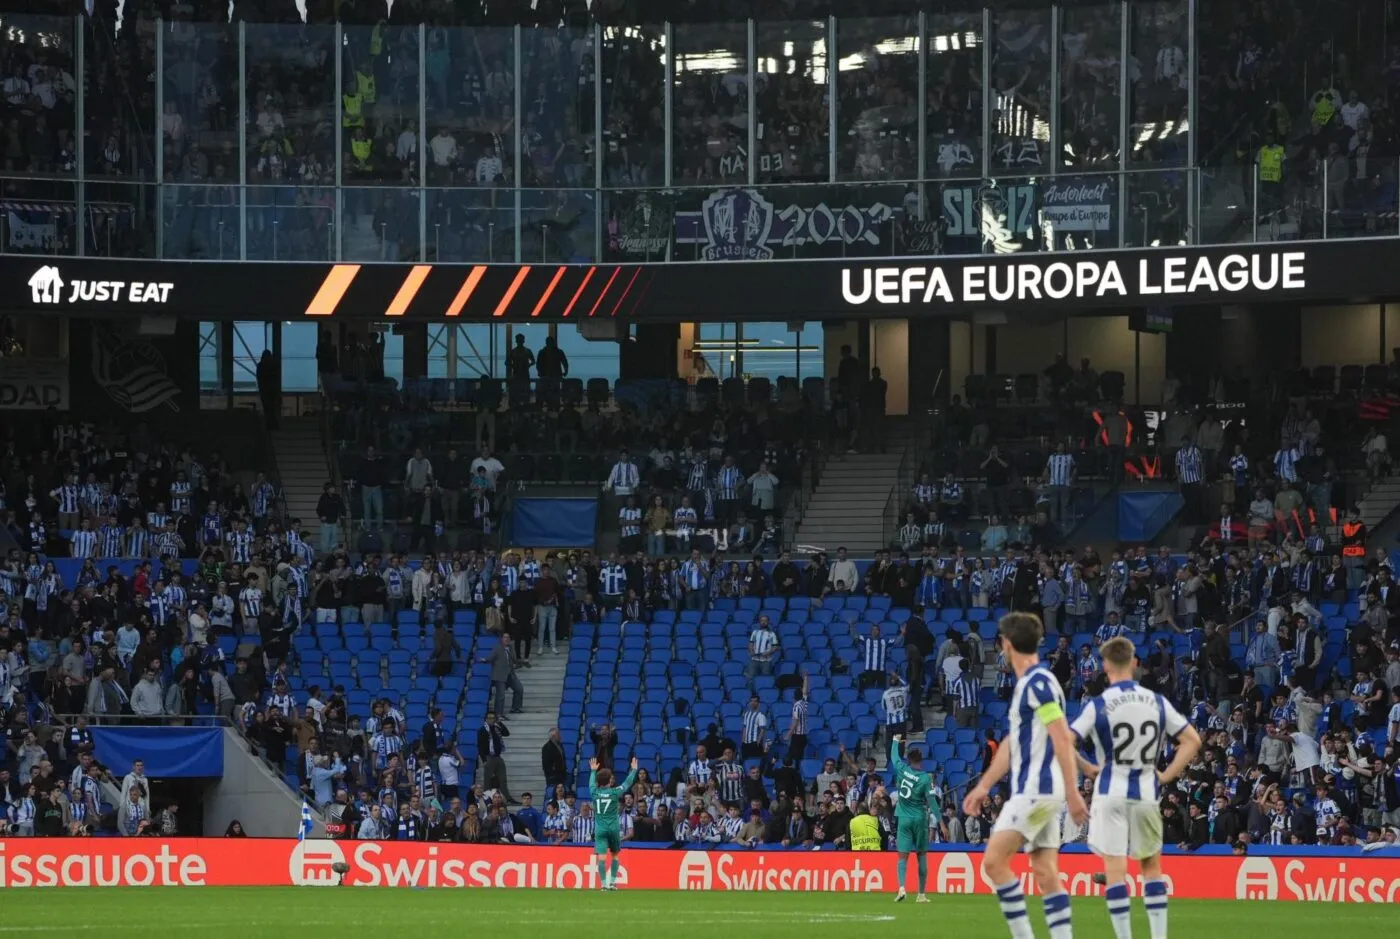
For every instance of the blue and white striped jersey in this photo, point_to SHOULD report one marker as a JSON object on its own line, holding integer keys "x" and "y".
{"x": 1127, "y": 725}
{"x": 1059, "y": 468}
{"x": 1033, "y": 770}
{"x": 895, "y": 703}
{"x": 1190, "y": 467}
{"x": 84, "y": 543}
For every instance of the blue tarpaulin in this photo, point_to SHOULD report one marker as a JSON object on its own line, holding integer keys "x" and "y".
{"x": 169, "y": 752}
{"x": 1142, "y": 514}
{"x": 554, "y": 523}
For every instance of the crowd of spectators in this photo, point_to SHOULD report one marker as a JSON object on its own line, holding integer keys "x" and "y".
{"x": 1331, "y": 120}
{"x": 716, "y": 458}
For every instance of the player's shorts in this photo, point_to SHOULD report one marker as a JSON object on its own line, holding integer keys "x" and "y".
{"x": 911, "y": 836}
{"x": 606, "y": 841}
{"x": 1125, "y": 828}
{"x": 1035, "y": 819}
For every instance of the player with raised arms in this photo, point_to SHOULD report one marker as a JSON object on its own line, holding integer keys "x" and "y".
{"x": 607, "y": 803}
{"x": 911, "y": 813}
{"x": 1126, "y": 726}
{"x": 1040, "y": 755}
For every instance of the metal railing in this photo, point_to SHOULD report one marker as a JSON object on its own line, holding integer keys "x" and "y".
{"x": 807, "y": 487}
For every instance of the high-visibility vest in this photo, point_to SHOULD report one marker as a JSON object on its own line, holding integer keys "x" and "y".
{"x": 352, "y": 110}
{"x": 1146, "y": 469}
{"x": 1103, "y": 431}
{"x": 362, "y": 150}
{"x": 365, "y": 87}
{"x": 1353, "y": 539}
{"x": 865, "y": 833}
{"x": 1271, "y": 163}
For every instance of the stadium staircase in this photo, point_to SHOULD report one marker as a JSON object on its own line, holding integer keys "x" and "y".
{"x": 848, "y": 507}
{"x": 301, "y": 461}
{"x": 1380, "y": 502}
{"x": 544, "y": 689}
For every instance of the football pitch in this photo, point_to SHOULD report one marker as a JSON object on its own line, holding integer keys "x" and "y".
{"x": 255, "y": 912}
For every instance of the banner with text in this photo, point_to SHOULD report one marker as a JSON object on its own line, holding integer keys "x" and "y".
{"x": 218, "y": 862}
{"x": 856, "y": 270}
{"x": 756, "y": 224}
{"x": 33, "y": 385}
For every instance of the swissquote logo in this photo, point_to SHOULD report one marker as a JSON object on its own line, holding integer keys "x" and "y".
{"x": 956, "y": 873}
{"x": 46, "y": 286}
{"x": 312, "y": 863}
{"x": 1257, "y": 879}
{"x": 696, "y": 872}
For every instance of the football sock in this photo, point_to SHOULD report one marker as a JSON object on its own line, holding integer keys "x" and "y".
{"x": 1120, "y": 910}
{"x": 1013, "y": 907}
{"x": 1057, "y": 915}
{"x": 1154, "y": 895}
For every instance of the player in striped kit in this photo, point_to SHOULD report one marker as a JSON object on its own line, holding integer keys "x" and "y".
{"x": 1040, "y": 756}
{"x": 1126, "y": 726}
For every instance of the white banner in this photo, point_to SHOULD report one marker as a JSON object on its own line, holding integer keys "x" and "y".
{"x": 33, "y": 385}
{"x": 1079, "y": 217}
{"x": 27, "y": 235}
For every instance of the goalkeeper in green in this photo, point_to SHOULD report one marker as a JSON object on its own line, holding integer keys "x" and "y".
{"x": 915, "y": 800}
{"x": 607, "y": 801}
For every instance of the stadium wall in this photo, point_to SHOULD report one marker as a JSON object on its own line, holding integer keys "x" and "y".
{"x": 1350, "y": 877}
{"x": 249, "y": 791}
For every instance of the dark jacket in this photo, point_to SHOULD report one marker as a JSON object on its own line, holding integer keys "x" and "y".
{"x": 552, "y": 761}
{"x": 330, "y": 507}
{"x": 489, "y": 734}
{"x": 603, "y": 747}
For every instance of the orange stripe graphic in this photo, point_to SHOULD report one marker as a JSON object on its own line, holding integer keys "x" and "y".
{"x": 468, "y": 286}
{"x": 411, "y": 285}
{"x": 558, "y": 275}
{"x": 606, "y": 288}
{"x": 332, "y": 290}
{"x": 579, "y": 292}
{"x": 628, "y": 289}
{"x": 510, "y": 294}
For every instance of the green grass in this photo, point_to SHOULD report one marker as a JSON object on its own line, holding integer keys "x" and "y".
{"x": 257, "y": 912}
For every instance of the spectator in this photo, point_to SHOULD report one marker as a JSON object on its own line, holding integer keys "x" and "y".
{"x": 503, "y": 676}
{"x": 490, "y": 747}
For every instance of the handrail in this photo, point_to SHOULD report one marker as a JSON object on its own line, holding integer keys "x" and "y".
{"x": 807, "y": 488}
{"x": 891, "y": 520}
{"x": 333, "y": 464}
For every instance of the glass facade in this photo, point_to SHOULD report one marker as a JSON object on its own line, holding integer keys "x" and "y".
{"x": 1076, "y": 126}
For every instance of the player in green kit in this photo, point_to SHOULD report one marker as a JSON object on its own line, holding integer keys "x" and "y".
{"x": 916, "y": 799}
{"x": 607, "y": 800}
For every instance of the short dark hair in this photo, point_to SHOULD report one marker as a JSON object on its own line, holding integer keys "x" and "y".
{"x": 604, "y": 776}
{"x": 1023, "y": 630}
{"x": 914, "y": 756}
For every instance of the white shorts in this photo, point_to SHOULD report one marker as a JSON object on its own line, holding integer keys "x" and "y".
{"x": 1125, "y": 828}
{"x": 1037, "y": 820}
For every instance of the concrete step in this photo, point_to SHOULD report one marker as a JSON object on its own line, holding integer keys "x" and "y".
{"x": 544, "y": 689}
{"x": 847, "y": 504}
